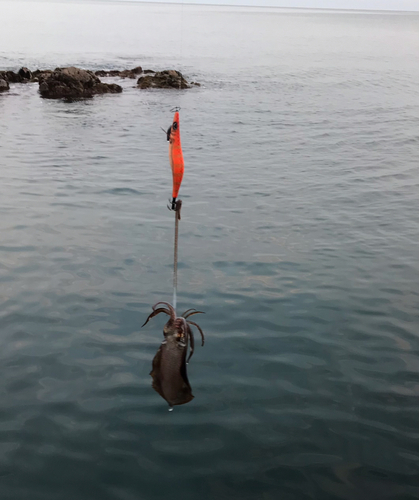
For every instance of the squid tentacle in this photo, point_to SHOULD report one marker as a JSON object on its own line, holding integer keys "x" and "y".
{"x": 191, "y": 343}
{"x": 155, "y": 313}
{"x": 186, "y": 312}
{"x": 200, "y": 331}
{"x": 192, "y": 313}
{"x": 169, "y": 306}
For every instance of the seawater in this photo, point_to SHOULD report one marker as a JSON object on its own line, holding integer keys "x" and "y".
{"x": 298, "y": 238}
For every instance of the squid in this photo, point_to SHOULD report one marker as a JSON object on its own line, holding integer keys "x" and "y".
{"x": 170, "y": 378}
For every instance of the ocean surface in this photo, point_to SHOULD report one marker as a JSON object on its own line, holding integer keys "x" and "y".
{"x": 299, "y": 238}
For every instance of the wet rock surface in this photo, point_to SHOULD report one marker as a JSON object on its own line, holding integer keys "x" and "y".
{"x": 10, "y": 77}
{"x": 125, "y": 73}
{"x": 168, "y": 79}
{"x": 73, "y": 83}
{"x": 22, "y": 76}
{"x": 4, "y": 85}
{"x": 40, "y": 74}
{"x": 25, "y": 74}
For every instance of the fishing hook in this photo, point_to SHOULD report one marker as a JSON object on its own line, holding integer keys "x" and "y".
{"x": 175, "y": 205}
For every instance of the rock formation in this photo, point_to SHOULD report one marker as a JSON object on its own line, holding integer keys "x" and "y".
{"x": 168, "y": 79}
{"x": 73, "y": 83}
{"x": 24, "y": 74}
{"x": 10, "y": 77}
{"x": 125, "y": 73}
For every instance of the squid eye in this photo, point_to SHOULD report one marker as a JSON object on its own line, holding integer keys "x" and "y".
{"x": 174, "y": 125}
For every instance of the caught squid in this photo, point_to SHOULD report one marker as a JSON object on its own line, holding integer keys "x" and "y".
{"x": 169, "y": 373}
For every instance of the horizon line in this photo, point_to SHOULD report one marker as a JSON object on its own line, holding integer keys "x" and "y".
{"x": 207, "y": 3}
{"x": 211, "y": 4}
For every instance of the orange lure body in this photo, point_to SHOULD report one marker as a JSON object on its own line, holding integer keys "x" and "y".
{"x": 175, "y": 155}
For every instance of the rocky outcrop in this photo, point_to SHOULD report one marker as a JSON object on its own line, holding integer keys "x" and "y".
{"x": 22, "y": 76}
{"x": 10, "y": 76}
{"x": 73, "y": 83}
{"x": 168, "y": 79}
{"x": 25, "y": 74}
{"x": 125, "y": 73}
{"x": 4, "y": 85}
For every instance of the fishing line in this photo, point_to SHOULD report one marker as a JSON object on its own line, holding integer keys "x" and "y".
{"x": 175, "y": 257}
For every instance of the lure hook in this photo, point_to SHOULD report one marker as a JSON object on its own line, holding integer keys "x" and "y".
{"x": 175, "y": 205}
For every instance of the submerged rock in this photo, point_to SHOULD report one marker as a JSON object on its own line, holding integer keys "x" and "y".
{"x": 4, "y": 85}
{"x": 132, "y": 73}
{"x": 168, "y": 79}
{"x": 125, "y": 73}
{"x": 73, "y": 83}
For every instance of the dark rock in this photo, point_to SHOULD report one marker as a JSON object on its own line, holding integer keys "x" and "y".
{"x": 107, "y": 88}
{"x": 10, "y": 76}
{"x": 168, "y": 79}
{"x": 148, "y": 71}
{"x": 25, "y": 74}
{"x": 22, "y": 76}
{"x": 4, "y": 85}
{"x": 40, "y": 74}
{"x": 125, "y": 73}
{"x": 73, "y": 83}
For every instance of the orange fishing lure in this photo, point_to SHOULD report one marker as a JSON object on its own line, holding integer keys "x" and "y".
{"x": 176, "y": 157}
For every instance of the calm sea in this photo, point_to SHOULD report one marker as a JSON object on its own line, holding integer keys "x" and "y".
{"x": 299, "y": 239}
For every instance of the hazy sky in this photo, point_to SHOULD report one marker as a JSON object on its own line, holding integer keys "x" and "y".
{"x": 412, "y": 5}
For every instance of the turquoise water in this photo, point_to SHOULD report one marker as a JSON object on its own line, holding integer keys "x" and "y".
{"x": 299, "y": 239}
